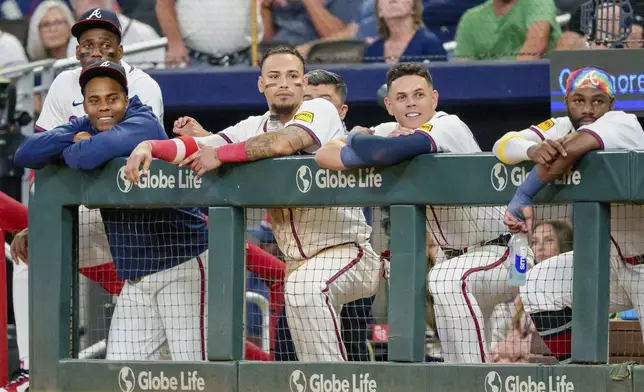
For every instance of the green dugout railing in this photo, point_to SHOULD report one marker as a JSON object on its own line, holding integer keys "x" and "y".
{"x": 599, "y": 179}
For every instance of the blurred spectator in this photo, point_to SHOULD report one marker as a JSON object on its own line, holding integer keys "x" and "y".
{"x": 141, "y": 10}
{"x": 9, "y": 9}
{"x": 364, "y": 27}
{"x": 12, "y": 51}
{"x": 19, "y": 9}
{"x": 507, "y": 29}
{"x": 573, "y": 38}
{"x": 49, "y": 35}
{"x": 569, "y": 5}
{"x": 441, "y": 16}
{"x": 551, "y": 238}
{"x": 212, "y": 33}
{"x": 402, "y": 34}
{"x": 296, "y": 22}
{"x": 133, "y": 32}
{"x": 49, "y": 31}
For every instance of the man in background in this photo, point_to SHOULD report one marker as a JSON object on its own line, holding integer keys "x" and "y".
{"x": 133, "y": 32}
{"x": 299, "y": 22}
{"x": 507, "y": 29}
{"x": 207, "y": 33}
{"x": 608, "y": 22}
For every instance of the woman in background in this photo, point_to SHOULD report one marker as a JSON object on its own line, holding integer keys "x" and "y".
{"x": 49, "y": 34}
{"x": 550, "y": 238}
{"x": 402, "y": 36}
{"x": 49, "y": 31}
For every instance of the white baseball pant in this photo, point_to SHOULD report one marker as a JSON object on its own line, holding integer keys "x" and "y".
{"x": 168, "y": 306}
{"x": 93, "y": 251}
{"x": 466, "y": 289}
{"x": 549, "y": 286}
{"x": 315, "y": 292}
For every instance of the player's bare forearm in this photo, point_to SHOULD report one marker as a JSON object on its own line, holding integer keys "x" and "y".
{"x": 325, "y": 23}
{"x": 330, "y": 155}
{"x": 576, "y": 144}
{"x": 536, "y": 42}
{"x": 267, "y": 22}
{"x": 284, "y": 142}
{"x": 167, "y": 16}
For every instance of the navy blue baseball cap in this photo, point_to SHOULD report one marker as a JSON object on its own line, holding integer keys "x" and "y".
{"x": 97, "y": 18}
{"x": 106, "y": 69}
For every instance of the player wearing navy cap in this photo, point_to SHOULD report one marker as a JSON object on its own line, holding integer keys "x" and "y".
{"x": 160, "y": 253}
{"x": 98, "y": 32}
{"x": 94, "y": 18}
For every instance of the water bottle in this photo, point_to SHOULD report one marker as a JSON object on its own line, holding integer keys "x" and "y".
{"x": 519, "y": 248}
{"x": 273, "y": 123}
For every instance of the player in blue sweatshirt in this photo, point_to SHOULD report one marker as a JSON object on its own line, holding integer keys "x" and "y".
{"x": 160, "y": 253}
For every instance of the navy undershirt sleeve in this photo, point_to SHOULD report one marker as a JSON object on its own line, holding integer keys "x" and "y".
{"x": 368, "y": 150}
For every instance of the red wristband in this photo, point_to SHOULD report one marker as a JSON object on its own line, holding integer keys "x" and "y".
{"x": 174, "y": 150}
{"x": 191, "y": 145}
{"x": 235, "y": 152}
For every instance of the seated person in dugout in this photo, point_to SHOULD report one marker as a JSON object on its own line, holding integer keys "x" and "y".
{"x": 460, "y": 287}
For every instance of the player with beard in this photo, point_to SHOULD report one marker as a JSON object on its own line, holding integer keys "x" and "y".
{"x": 542, "y": 143}
{"x": 556, "y": 145}
{"x": 330, "y": 261}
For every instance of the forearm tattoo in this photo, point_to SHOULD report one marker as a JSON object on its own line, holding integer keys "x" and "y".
{"x": 271, "y": 144}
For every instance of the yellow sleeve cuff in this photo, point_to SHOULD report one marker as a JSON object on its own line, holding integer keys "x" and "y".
{"x": 500, "y": 151}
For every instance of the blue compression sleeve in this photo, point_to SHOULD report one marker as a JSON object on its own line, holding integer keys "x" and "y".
{"x": 532, "y": 184}
{"x": 350, "y": 158}
{"x": 368, "y": 150}
{"x": 525, "y": 193}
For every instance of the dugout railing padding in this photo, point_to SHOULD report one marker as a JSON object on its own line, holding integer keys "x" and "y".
{"x": 443, "y": 179}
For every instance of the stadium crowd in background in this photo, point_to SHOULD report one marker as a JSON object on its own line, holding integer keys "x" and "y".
{"x": 221, "y": 33}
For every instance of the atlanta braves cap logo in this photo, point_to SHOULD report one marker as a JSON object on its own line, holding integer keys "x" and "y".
{"x": 105, "y": 64}
{"x": 95, "y": 14}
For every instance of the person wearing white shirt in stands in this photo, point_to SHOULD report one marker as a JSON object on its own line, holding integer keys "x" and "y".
{"x": 11, "y": 51}
{"x": 133, "y": 32}
{"x": 207, "y": 33}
